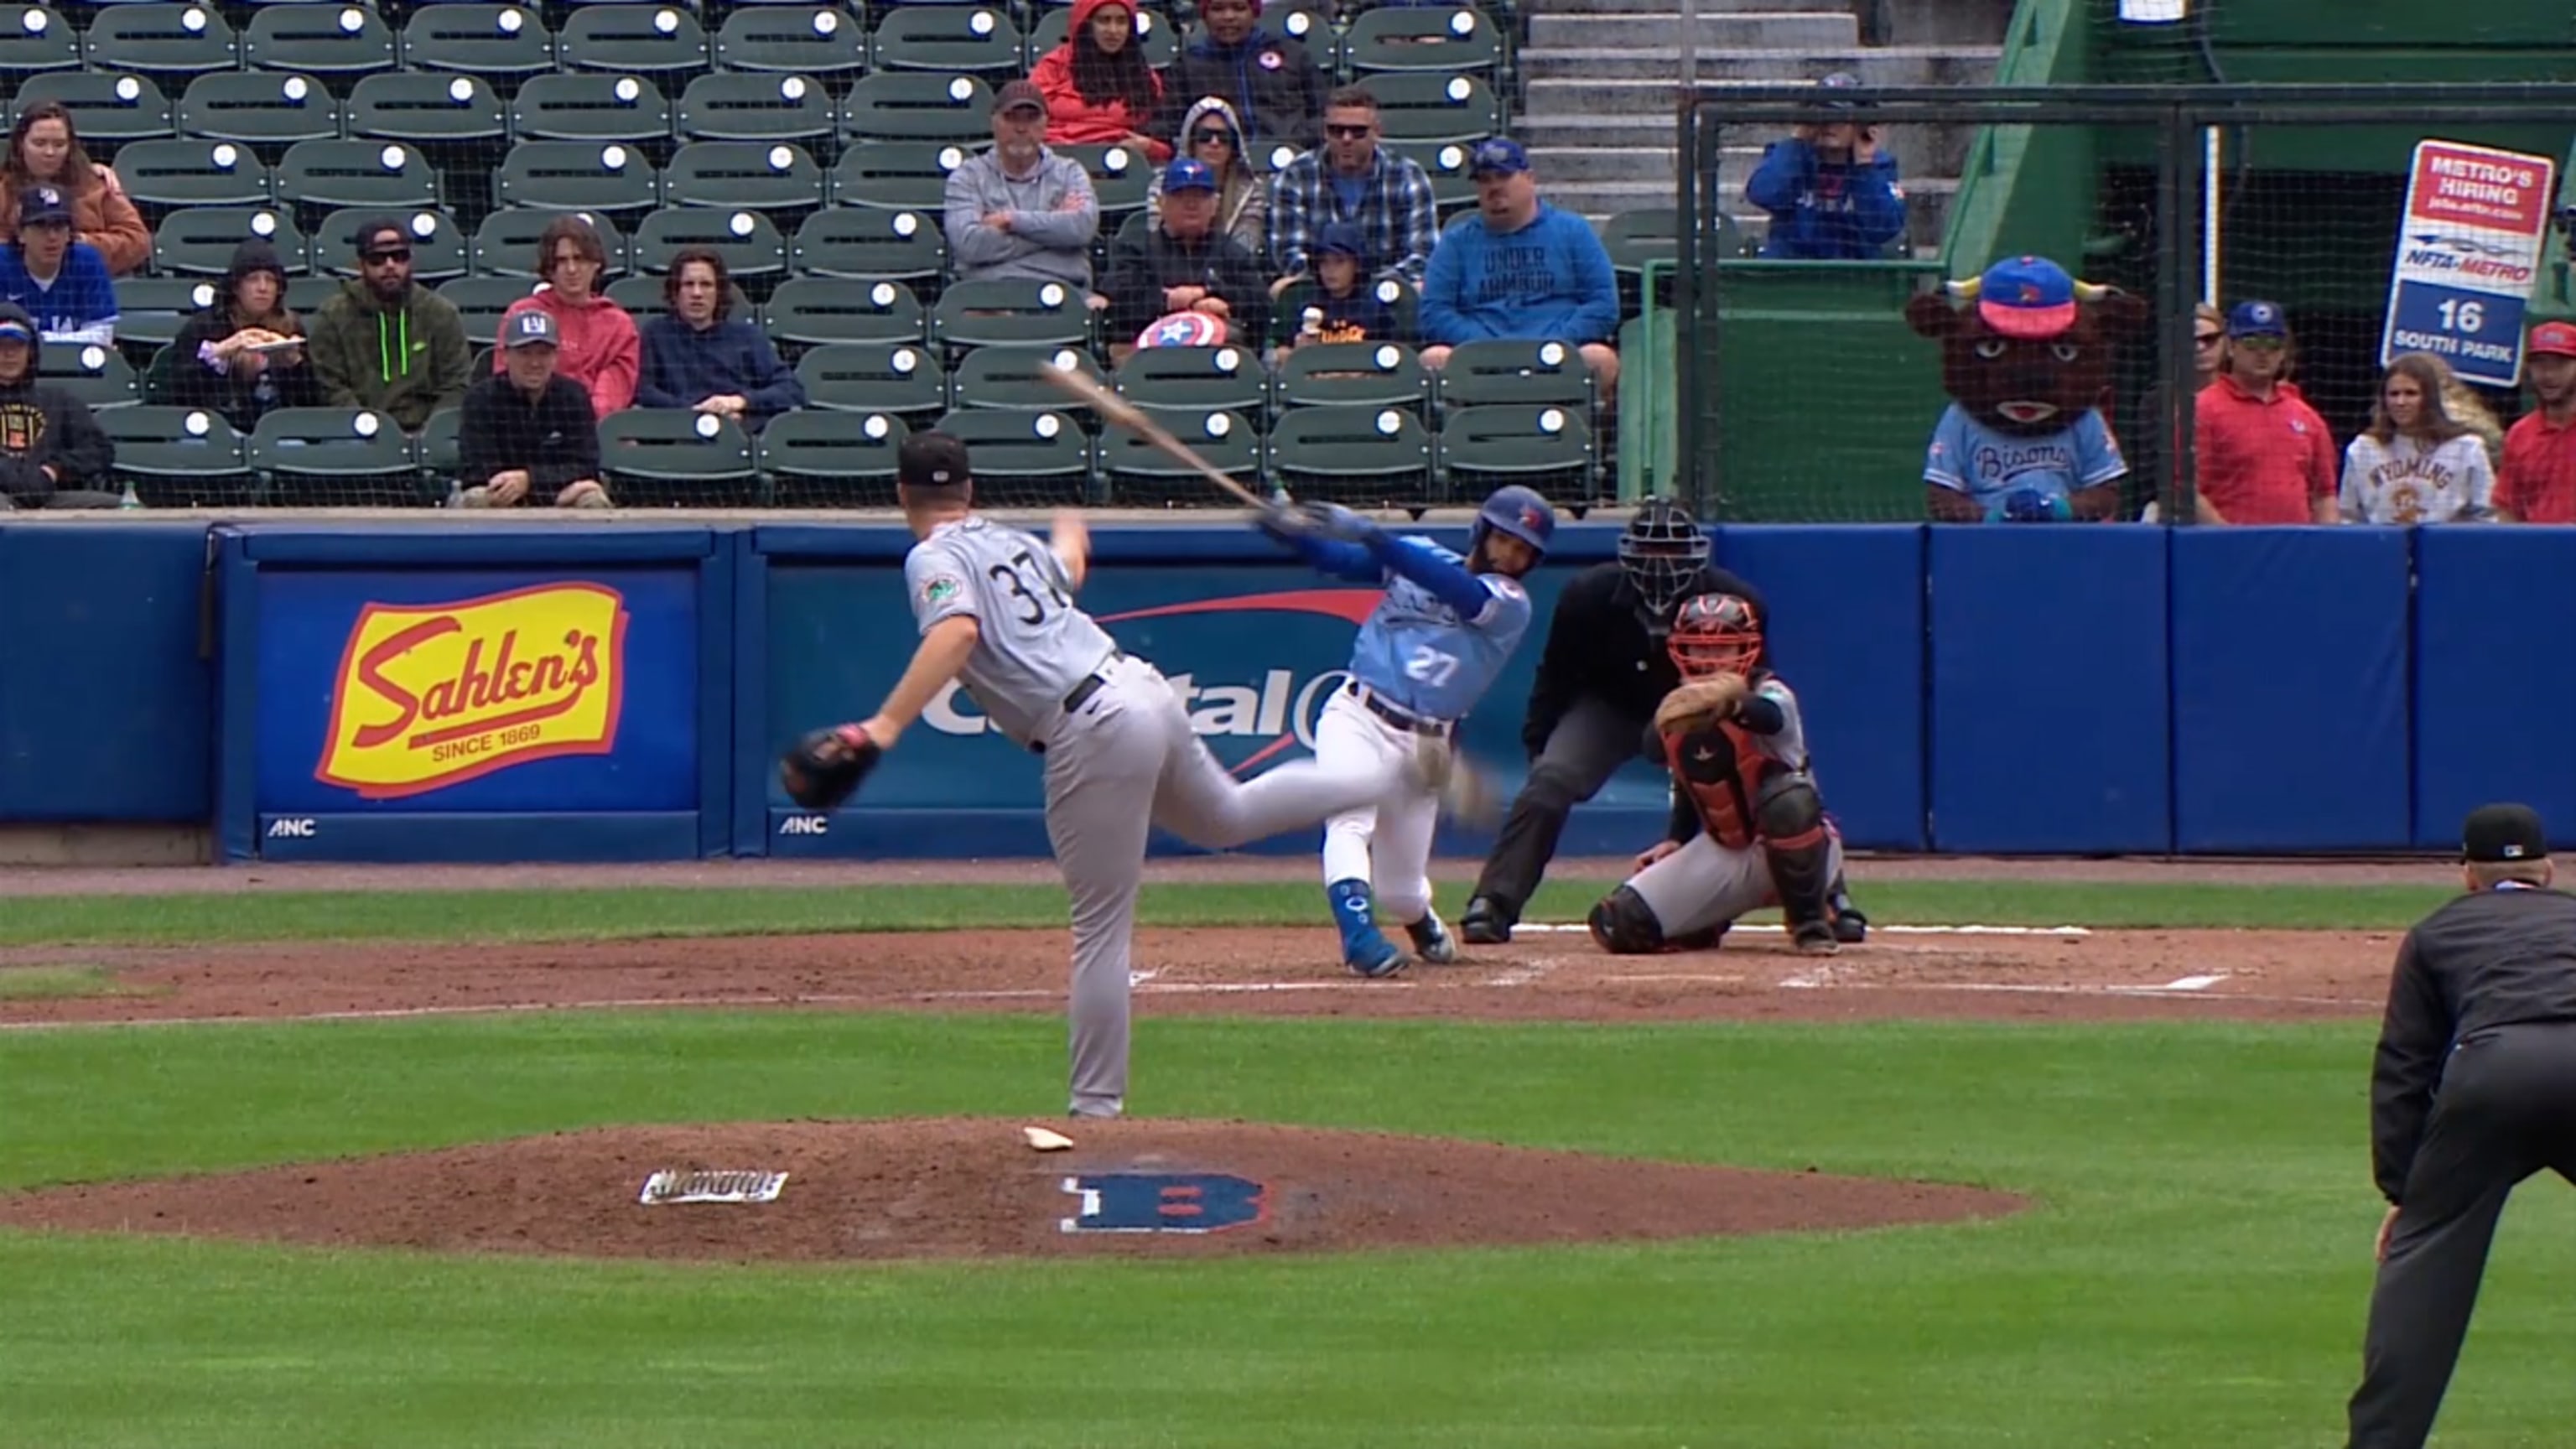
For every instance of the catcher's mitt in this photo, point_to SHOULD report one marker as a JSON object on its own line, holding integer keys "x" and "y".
{"x": 822, "y": 769}
{"x": 1699, "y": 703}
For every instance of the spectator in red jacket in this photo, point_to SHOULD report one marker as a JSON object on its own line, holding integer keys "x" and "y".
{"x": 2264, "y": 454}
{"x": 1099, "y": 91}
{"x": 2537, "y": 483}
{"x": 600, "y": 348}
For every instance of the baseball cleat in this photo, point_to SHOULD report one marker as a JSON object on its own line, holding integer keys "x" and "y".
{"x": 1432, "y": 941}
{"x": 1375, "y": 960}
{"x": 1485, "y": 924}
{"x": 1816, "y": 938}
{"x": 1850, "y": 926}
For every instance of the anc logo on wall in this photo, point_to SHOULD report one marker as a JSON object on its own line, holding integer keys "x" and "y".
{"x": 432, "y": 694}
{"x": 1164, "y": 1202}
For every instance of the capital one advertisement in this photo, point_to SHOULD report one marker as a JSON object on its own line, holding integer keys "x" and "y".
{"x": 477, "y": 690}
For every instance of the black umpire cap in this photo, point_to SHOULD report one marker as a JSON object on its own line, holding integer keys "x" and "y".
{"x": 2494, "y": 834}
{"x": 931, "y": 459}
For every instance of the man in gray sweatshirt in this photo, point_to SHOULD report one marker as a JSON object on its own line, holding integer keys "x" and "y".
{"x": 1019, "y": 209}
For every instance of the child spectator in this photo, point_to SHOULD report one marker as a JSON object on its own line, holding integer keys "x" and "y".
{"x": 62, "y": 283}
{"x": 601, "y": 349}
{"x": 44, "y": 150}
{"x": 2415, "y": 463}
{"x": 230, "y": 358}
{"x": 1098, "y": 89}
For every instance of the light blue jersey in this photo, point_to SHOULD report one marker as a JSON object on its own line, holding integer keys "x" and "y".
{"x": 1417, "y": 654}
{"x": 1968, "y": 457}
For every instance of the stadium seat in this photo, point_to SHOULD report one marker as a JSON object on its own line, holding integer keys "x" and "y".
{"x": 1011, "y": 313}
{"x": 97, "y": 375}
{"x": 595, "y": 108}
{"x": 1544, "y": 445}
{"x": 904, "y": 379}
{"x": 612, "y": 178}
{"x": 379, "y": 175}
{"x": 177, "y": 457}
{"x": 437, "y": 245}
{"x": 35, "y": 38}
{"x": 1350, "y": 374}
{"x": 482, "y": 300}
{"x": 442, "y": 111}
{"x": 1415, "y": 108}
{"x": 324, "y": 457}
{"x": 1378, "y": 456}
{"x": 748, "y": 241}
{"x": 737, "y": 107}
{"x": 151, "y": 310}
{"x": 1159, "y": 36}
{"x": 823, "y": 460}
{"x": 199, "y": 240}
{"x": 1027, "y": 456}
{"x": 649, "y": 40}
{"x": 1288, "y": 309}
{"x": 259, "y": 108}
{"x": 901, "y": 175}
{"x": 1195, "y": 379}
{"x": 505, "y": 245}
{"x": 159, "y": 176}
{"x": 863, "y": 242}
{"x": 1121, "y": 176}
{"x": 335, "y": 41}
{"x": 823, "y": 42}
{"x": 1449, "y": 40}
{"x": 1515, "y": 371}
{"x": 1008, "y": 378}
{"x": 161, "y": 40}
{"x": 918, "y": 106}
{"x": 978, "y": 40}
{"x": 667, "y": 458}
{"x": 812, "y": 311}
{"x": 107, "y": 109}
{"x": 1135, "y": 472}
{"x": 771, "y": 176}
{"x": 1453, "y": 186}
{"x": 441, "y": 460}
{"x": 503, "y": 41}
{"x": 1308, "y": 22}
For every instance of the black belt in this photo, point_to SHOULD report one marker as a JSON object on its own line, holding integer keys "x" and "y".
{"x": 1437, "y": 729}
{"x": 1080, "y": 695}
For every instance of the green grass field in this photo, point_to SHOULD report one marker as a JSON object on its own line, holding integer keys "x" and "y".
{"x": 2193, "y": 1274}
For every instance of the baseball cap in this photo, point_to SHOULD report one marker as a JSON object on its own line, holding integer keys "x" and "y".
{"x": 2502, "y": 832}
{"x": 14, "y": 327}
{"x": 1185, "y": 174}
{"x": 1838, "y": 81}
{"x": 1340, "y": 239}
{"x": 931, "y": 459}
{"x": 2026, "y": 297}
{"x": 2258, "y": 319}
{"x": 1019, "y": 95}
{"x": 1497, "y": 153}
{"x": 41, "y": 204}
{"x": 370, "y": 236}
{"x": 2554, "y": 339}
{"x": 529, "y": 326}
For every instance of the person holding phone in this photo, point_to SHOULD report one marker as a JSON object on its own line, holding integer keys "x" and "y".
{"x": 1830, "y": 188}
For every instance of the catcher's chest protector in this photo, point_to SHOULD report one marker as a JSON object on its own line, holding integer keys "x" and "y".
{"x": 1721, "y": 767}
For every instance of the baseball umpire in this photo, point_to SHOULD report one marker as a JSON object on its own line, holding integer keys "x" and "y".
{"x": 1601, "y": 674}
{"x": 2473, "y": 1090}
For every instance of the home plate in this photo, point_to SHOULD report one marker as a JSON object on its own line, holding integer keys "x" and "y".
{"x": 1875, "y": 929}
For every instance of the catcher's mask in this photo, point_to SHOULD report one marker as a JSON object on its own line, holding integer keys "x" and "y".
{"x": 1715, "y": 634}
{"x": 1662, "y": 550}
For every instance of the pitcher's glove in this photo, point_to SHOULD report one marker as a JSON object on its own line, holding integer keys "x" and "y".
{"x": 1699, "y": 703}
{"x": 822, "y": 769}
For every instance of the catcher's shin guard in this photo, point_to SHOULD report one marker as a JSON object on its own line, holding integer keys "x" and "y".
{"x": 1624, "y": 925}
{"x": 1792, "y": 822}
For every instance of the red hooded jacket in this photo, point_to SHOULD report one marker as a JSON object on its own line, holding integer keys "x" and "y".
{"x": 600, "y": 348}
{"x": 1074, "y": 121}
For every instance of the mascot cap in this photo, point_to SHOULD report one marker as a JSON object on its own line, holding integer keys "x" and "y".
{"x": 2027, "y": 297}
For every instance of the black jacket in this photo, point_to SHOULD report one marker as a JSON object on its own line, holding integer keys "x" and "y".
{"x": 1599, "y": 643}
{"x": 241, "y": 399}
{"x": 1282, "y": 100}
{"x": 1139, "y": 270}
{"x": 555, "y": 438}
{"x": 2496, "y": 958}
{"x": 43, "y": 426}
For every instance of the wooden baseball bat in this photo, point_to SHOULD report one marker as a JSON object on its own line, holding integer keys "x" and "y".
{"x": 1125, "y": 414}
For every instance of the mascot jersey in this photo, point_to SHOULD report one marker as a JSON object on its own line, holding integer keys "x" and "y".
{"x": 1969, "y": 457}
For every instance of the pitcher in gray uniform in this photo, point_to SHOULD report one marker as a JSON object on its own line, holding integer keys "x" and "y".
{"x": 996, "y": 611}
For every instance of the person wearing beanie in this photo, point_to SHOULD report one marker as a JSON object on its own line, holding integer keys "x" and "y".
{"x": 1272, "y": 83}
{"x": 385, "y": 343}
{"x": 1099, "y": 90}
{"x": 53, "y": 454}
{"x": 600, "y": 347}
{"x": 1183, "y": 263}
{"x": 239, "y": 357}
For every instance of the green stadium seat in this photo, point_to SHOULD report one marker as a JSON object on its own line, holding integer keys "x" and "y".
{"x": 377, "y": 175}
{"x": 199, "y": 240}
{"x": 595, "y": 108}
{"x": 151, "y": 310}
{"x": 36, "y": 38}
{"x": 900, "y": 175}
{"x": 1357, "y": 455}
{"x": 748, "y": 241}
{"x": 161, "y": 40}
{"x": 319, "y": 39}
{"x": 1449, "y": 41}
{"x": 650, "y": 40}
{"x": 177, "y": 457}
{"x": 1011, "y": 313}
{"x": 1230, "y": 378}
{"x": 979, "y": 40}
{"x": 505, "y": 244}
{"x": 1288, "y": 309}
{"x": 813, "y": 311}
{"x": 258, "y": 108}
{"x": 437, "y": 245}
{"x": 826, "y": 460}
{"x": 1160, "y": 37}
{"x": 1025, "y": 456}
{"x": 904, "y": 379}
{"x": 442, "y": 461}
{"x": 1350, "y": 374}
{"x": 918, "y": 106}
{"x": 97, "y": 375}
{"x": 1413, "y": 109}
{"x": 1453, "y": 186}
{"x": 503, "y": 41}
{"x": 160, "y": 176}
{"x": 326, "y": 457}
{"x": 611, "y": 178}
{"x": 107, "y": 109}
{"x": 1120, "y": 176}
{"x": 1008, "y": 378}
{"x": 1515, "y": 371}
{"x": 1543, "y": 445}
{"x": 443, "y": 111}
{"x": 819, "y": 41}
{"x": 481, "y": 301}
{"x": 1136, "y": 473}
{"x": 741, "y": 107}
{"x": 767, "y": 176}
{"x": 657, "y": 457}
{"x": 866, "y": 243}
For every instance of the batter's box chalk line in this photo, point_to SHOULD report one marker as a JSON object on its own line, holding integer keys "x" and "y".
{"x": 1875, "y": 929}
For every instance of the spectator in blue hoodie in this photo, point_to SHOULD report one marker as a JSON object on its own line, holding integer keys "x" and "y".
{"x": 1832, "y": 194}
{"x": 696, "y": 356}
{"x": 1517, "y": 267}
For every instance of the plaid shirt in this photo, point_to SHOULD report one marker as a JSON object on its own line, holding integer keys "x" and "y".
{"x": 1398, "y": 221}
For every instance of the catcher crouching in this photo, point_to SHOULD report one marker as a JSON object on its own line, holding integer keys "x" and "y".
{"x": 1749, "y": 828}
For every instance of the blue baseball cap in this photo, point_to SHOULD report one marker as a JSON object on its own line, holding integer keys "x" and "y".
{"x": 524, "y": 328}
{"x": 2258, "y": 319}
{"x": 40, "y": 204}
{"x": 1497, "y": 154}
{"x": 1340, "y": 238}
{"x": 2026, "y": 297}
{"x": 1185, "y": 174}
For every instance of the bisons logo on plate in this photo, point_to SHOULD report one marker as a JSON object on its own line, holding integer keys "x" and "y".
{"x": 429, "y": 695}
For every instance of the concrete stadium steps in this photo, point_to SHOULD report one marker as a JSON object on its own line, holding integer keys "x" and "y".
{"x": 1659, "y": 33}
{"x": 1625, "y": 80}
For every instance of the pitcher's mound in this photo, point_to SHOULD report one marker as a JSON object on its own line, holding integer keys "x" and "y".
{"x": 955, "y": 1188}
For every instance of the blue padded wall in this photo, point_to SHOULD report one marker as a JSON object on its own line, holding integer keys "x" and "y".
{"x": 2049, "y": 690}
{"x": 1847, "y": 633}
{"x": 2289, "y": 689}
{"x": 2495, "y": 677}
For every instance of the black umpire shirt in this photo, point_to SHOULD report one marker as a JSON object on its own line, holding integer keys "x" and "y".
{"x": 2502, "y": 957}
{"x": 1598, "y": 644}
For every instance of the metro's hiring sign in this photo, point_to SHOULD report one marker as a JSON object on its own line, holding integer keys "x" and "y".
{"x": 2468, "y": 251}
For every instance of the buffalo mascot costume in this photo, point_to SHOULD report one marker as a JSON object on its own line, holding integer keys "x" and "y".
{"x": 2027, "y": 364}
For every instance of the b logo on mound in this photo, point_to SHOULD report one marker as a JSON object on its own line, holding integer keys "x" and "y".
{"x": 1164, "y": 1202}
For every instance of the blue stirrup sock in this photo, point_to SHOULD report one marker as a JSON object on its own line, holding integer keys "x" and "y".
{"x": 1354, "y": 913}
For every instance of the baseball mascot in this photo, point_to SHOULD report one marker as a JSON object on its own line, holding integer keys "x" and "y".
{"x": 1422, "y": 659}
{"x": 1749, "y": 828}
{"x": 2027, "y": 364}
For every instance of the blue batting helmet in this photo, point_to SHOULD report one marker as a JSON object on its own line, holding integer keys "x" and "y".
{"x": 1516, "y": 511}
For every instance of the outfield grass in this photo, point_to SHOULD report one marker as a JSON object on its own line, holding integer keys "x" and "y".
{"x": 566, "y": 915}
{"x": 2193, "y": 1275}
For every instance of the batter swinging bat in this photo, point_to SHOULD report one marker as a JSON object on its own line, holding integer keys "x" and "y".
{"x": 1127, "y": 415}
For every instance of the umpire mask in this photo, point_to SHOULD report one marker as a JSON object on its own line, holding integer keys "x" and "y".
{"x": 1662, "y": 550}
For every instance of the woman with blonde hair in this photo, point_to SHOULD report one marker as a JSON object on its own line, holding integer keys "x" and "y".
{"x": 44, "y": 150}
{"x": 2415, "y": 463}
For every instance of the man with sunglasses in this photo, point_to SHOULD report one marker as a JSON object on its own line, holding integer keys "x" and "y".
{"x": 383, "y": 342}
{"x": 1352, "y": 178}
{"x": 2263, "y": 454}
